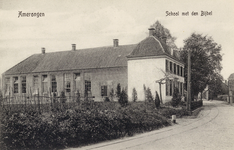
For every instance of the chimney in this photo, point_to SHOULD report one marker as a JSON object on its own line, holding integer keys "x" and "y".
{"x": 116, "y": 42}
{"x": 226, "y": 82}
{"x": 151, "y": 31}
{"x": 73, "y": 47}
{"x": 43, "y": 50}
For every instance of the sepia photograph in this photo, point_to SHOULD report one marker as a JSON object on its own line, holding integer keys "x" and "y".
{"x": 116, "y": 75}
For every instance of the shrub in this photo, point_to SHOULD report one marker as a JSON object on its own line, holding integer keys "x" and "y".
{"x": 149, "y": 96}
{"x": 134, "y": 95}
{"x": 106, "y": 99}
{"x": 78, "y": 96}
{"x": 196, "y": 104}
{"x": 77, "y": 127}
{"x": 168, "y": 112}
{"x": 118, "y": 90}
{"x": 176, "y": 98}
{"x": 112, "y": 94}
{"x": 63, "y": 97}
{"x": 157, "y": 100}
{"x": 123, "y": 98}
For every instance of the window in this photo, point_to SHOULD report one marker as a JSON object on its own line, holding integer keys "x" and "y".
{"x": 53, "y": 83}
{"x": 167, "y": 87}
{"x": 170, "y": 88}
{"x": 23, "y": 82}
{"x": 171, "y": 66}
{"x": 178, "y": 70}
{"x": 7, "y": 86}
{"x": 16, "y": 84}
{"x": 174, "y": 68}
{"x": 87, "y": 85}
{"x": 104, "y": 90}
{"x": 44, "y": 83}
{"x": 35, "y": 84}
{"x": 67, "y": 82}
{"x": 181, "y": 88}
{"x": 181, "y": 71}
{"x": 167, "y": 69}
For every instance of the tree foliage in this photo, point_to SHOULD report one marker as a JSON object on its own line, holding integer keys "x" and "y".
{"x": 118, "y": 90}
{"x": 161, "y": 31}
{"x": 205, "y": 61}
{"x": 149, "y": 96}
{"x": 123, "y": 98}
{"x": 134, "y": 95}
{"x": 176, "y": 98}
{"x": 157, "y": 100}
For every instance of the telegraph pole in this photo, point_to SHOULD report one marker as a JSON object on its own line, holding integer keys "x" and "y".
{"x": 189, "y": 82}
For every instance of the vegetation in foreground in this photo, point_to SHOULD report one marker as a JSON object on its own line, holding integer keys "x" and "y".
{"x": 81, "y": 125}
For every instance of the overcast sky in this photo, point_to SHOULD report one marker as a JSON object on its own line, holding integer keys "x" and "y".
{"x": 95, "y": 23}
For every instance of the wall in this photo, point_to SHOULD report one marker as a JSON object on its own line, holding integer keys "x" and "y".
{"x": 146, "y": 71}
{"x": 98, "y": 77}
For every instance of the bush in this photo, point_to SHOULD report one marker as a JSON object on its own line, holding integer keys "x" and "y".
{"x": 118, "y": 90}
{"x": 78, "y": 96}
{"x": 168, "y": 112}
{"x": 134, "y": 95}
{"x": 112, "y": 94}
{"x": 157, "y": 100}
{"x": 77, "y": 127}
{"x": 176, "y": 98}
{"x": 148, "y": 95}
{"x": 196, "y": 104}
{"x": 106, "y": 99}
{"x": 123, "y": 98}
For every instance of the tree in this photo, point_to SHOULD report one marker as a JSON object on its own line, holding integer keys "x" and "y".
{"x": 161, "y": 31}
{"x": 123, "y": 98}
{"x": 149, "y": 96}
{"x": 157, "y": 100}
{"x": 118, "y": 90}
{"x": 134, "y": 95}
{"x": 112, "y": 94}
{"x": 176, "y": 98}
{"x": 205, "y": 61}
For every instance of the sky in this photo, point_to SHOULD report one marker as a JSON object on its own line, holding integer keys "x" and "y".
{"x": 95, "y": 23}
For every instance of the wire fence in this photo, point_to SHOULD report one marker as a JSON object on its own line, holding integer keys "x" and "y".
{"x": 43, "y": 103}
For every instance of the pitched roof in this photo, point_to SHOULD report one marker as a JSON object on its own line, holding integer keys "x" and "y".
{"x": 101, "y": 57}
{"x": 153, "y": 46}
{"x": 27, "y": 65}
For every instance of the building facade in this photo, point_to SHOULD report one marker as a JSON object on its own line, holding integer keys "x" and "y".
{"x": 97, "y": 71}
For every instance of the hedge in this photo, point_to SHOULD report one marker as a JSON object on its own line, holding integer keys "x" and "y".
{"x": 76, "y": 127}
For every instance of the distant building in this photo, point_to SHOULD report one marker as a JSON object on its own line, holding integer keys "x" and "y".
{"x": 231, "y": 83}
{"x": 96, "y": 71}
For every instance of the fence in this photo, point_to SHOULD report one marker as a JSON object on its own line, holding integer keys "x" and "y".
{"x": 43, "y": 103}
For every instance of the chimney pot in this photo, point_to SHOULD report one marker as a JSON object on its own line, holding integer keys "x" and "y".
{"x": 151, "y": 31}
{"x": 73, "y": 47}
{"x": 116, "y": 42}
{"x": 43, "y": 50}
